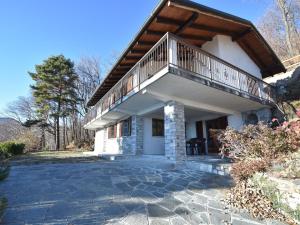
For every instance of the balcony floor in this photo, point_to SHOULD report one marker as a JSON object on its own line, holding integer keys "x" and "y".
{"x": 189, "y": 89}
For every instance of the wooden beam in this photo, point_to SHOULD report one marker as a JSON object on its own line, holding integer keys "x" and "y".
{"x": 154, "y": 32}
{"x": 187, "y": 23}
{"x": 169, "y": 21}
{"x": 212, "y": 29}
{"x": 132, "y": 57}
{"x": 241, "y": 35}
{"x": 126, "y": 65}
{"x": 146, "y": 43}
{"x": 196, "y": 37}
{"x": 269, "y": 69}
{"x": 138, "y": 51}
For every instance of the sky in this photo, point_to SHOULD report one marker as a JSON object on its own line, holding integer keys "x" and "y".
{"x": 33, "y": 30}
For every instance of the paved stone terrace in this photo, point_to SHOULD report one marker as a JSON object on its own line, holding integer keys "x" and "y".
{"x": 116, "y": 192}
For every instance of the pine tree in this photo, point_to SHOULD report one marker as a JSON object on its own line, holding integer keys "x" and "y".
{"x": 55, "y": 90}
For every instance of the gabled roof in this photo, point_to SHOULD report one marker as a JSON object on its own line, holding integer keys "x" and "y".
{"x": 197, "y": 24}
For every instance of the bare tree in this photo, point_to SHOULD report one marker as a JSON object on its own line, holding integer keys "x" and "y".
{"x": 88, "y": 70}
{"x": 89, "y": 73}
{"x": 22, "y": 109}
{"x": 33, "y": 123}
{"x": 280, "y": 27}
{"x": 289, "y": 9}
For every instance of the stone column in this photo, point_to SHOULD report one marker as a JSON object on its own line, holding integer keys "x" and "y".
{"x": 175, "y": 148}
{"x": 137, "y": 134}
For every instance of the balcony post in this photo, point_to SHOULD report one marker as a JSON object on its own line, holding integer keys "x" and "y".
{"x": 139, "y": 76}
{"x": 239, "y": 80}
{"x": 173, "y": 52}
{"x": 121, "y": 89}
{"x": 260, "y": 89}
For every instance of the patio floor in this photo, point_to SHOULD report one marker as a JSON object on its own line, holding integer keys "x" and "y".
{"x": 141, "y": 191}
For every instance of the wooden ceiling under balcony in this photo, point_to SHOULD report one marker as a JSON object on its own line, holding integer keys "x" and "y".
{"x": 197, "y": 24}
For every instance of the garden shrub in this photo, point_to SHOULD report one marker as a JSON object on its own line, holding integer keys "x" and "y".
{"x": 260, "y": 141}
{"x": 269, "y": 189}
{"x": 8, "y": 149}
{"x": 289, "y": 167}
{"x": 245, "y": 169}
{"x": 254, "y": 149}
{"x": 246, "y": 196}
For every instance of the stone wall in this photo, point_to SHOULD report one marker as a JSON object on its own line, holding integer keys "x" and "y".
{"x": 174, "y": 131}
{"x": 137, "y": 135}
{"x": 264, "y": 115}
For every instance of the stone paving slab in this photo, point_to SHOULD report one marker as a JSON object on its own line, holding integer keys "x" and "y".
{"x": 124, "y": 192}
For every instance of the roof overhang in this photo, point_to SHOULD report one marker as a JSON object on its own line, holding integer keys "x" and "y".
{"x": 197, "y": 24}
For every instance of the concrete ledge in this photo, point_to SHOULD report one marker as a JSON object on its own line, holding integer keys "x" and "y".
{"x": 209, "y": 164}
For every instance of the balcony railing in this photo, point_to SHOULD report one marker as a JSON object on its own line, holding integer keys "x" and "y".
{"x": 172, "y": 51}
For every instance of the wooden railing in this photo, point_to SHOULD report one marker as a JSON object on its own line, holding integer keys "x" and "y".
{"x": 173, "y": 51}
{"x": 219, "y": 71}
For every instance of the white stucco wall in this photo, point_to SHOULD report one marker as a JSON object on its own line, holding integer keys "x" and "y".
{"x": 223, "y": 47}
{"x": 105, "y": 145}
{"x": 152, "y": 145}
{"x": 99, "y": 142}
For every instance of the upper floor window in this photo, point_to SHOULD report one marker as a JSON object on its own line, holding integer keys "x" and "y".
{"x": 125, "y": 127}
{"x": 112, "y": 131}
{"x": 157, "y": 128}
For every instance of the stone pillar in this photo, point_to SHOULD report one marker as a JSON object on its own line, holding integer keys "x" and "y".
{"x": 175, "y": 148}
{"x": 137, "y": 134}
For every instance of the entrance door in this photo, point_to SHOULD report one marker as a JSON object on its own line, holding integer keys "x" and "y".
{"x": 212, "y": 127}
{"x": 199, "y": 132}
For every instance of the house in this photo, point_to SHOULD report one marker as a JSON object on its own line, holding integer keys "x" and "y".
{"x": 189, "y": 71}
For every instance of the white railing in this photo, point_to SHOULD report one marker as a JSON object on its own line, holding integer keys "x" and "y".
{"x": 171, "y": 50}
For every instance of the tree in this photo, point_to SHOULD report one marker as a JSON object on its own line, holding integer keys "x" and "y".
{"x": 22, "y": 109}
{"x": 280, "y": 27}
{"x": 287, "y": 9}
{"x": 89, "y": 77}
{"x": 55, "y": 90}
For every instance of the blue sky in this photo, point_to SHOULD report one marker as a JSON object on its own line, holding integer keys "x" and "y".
{"x": 32, "y": 30}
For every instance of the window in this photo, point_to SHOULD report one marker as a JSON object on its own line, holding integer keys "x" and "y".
{"x": 157, "y": 127}
{"x": 125, "y": 127}
{"x": 112, "y": 131}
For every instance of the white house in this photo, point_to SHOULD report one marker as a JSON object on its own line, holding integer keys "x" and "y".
{"x": 189, "y": 71}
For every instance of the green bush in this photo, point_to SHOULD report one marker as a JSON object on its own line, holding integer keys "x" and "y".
{"x": 8, "y": 149}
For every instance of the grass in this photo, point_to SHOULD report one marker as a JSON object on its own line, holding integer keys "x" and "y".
{"x": 52, "y": 157}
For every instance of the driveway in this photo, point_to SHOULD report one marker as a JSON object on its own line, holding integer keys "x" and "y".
{"x": 141, "y": 191}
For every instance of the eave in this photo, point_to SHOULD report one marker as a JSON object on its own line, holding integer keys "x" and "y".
{"x": 197, "y": 24}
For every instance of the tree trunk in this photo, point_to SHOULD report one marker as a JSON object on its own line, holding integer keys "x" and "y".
{"x": 57, "y": 134}
{"x": 64, "y": 133}
{"x": 42, "y": 139}
{"x": 290, "y": 28}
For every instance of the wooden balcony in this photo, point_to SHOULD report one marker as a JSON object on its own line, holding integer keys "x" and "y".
{"x": 175, "y": 54}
